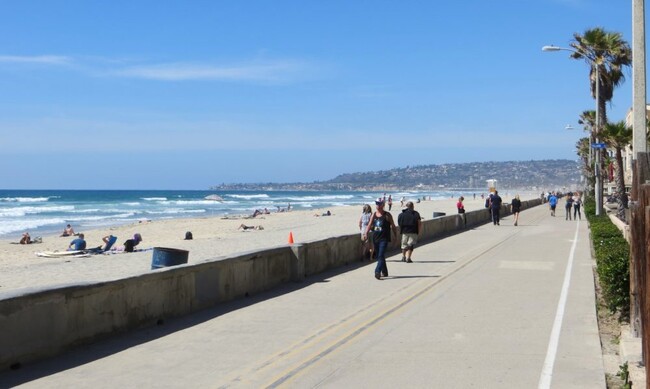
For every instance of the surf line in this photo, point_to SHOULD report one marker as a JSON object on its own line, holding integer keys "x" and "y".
{"x": 551, "y": 353}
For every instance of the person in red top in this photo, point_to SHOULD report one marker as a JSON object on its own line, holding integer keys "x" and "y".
{"x": 460, "y": 205}
{"x": 461, "y": 209}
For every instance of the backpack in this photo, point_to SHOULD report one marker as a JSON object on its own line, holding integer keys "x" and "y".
{"x": 188, "y": 235}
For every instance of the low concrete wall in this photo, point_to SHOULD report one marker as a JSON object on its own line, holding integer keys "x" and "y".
{"x": 44, "y": 323}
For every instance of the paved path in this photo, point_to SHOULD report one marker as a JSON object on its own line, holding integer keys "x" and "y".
{"x": 493, "y": 307}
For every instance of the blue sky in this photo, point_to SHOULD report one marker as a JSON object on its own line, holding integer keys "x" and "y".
{"x": 188, "y": 94}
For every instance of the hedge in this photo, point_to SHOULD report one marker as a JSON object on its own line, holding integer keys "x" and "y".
{"x": 612, "y": 260}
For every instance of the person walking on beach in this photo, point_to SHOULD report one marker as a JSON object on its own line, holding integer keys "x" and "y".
{"x": 516, "y": 207}
{"x": 390, "y": 202}
{"x": 577, "y": 202}
{"x": 495, "y": 207}
{"x": 552, "y": 203}
{"x": 366, "y": 243}
{"x": 410, "y": 225}
{"x": 383, "y": 227}
{"x": 568, "y": 206}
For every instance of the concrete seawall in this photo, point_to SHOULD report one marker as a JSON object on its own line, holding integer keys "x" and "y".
{"x": 42, "y": 323}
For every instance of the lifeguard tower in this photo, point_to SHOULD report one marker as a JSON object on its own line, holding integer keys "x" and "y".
{"x": 492, "y": 185}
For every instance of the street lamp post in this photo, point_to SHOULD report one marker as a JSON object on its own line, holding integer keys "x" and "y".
{"x": 598, "y": 189}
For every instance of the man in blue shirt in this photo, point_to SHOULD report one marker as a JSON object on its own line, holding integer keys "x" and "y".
{"x": 78, "y": 244}
{"x": 552, "y": 202}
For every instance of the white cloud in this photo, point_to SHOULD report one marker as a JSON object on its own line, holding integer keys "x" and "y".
{"x": 271, "y": 71}
{"x": 38, "y": 59}
{"x": 268, "y": 71}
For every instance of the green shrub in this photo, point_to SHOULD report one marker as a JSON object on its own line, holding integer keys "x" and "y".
{"x": 612, "y": 259}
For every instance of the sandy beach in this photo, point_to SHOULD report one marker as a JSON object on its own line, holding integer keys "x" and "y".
{"x": 21, "y": 269}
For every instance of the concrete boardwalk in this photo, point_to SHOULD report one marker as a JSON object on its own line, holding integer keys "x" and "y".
{"x": 493, "y": 307}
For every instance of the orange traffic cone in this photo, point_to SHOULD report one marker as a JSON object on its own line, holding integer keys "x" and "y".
{"x": 290, "y": 237}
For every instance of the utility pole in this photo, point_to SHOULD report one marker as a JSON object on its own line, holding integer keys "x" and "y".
{"x": 639, "y": 142}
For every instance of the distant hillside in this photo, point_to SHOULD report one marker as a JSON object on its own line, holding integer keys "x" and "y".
{"x": 533, "y": 175}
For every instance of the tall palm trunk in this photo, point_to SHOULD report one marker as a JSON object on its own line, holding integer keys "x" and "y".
{"x": 620, "y": 182}
{"x": 602, "y": 153}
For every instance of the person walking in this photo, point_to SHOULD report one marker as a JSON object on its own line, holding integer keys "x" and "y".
{"x": 552, "y": 203}
{"x": 516, "y": 207}
{"x": 495, "y": 207}
{"x": 366, "y": 244}
{"x": 390, "y": 202}
{"x": 383, "y": 227}
{"x": 410, "y": 225}
{"x": 577, "y": 202}
{"x": 568, "y": 206}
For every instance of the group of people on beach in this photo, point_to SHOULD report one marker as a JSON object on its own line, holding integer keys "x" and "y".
{"x": 80, "y": 244}
{"x": 129, "y": 246}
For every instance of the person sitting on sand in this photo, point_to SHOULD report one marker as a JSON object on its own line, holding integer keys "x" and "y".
{"x": 129, "y": 245}
{"x": 77, "y": 244}
{"x": 245, "y": 227}
{"x": 109, "y": 241}
{"x": 68, "y": 231}
{"x": 26, "y": 239}
{"x": 328, "y": 213}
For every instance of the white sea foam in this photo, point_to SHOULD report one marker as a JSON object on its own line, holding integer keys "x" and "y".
{"x": 22, "y": 224}
{"x": 154, "y": 198}
{"x": 190, "y": 202}
{"x": 320, "y": 198}
{"x": 249, "y": 197}
{"x": 24, "y": 199}
{"x": 22, "y": 211}
{"x": 91, "y": 210}
{"x": 98, "y": 217}
{"x": 175, "y": 211}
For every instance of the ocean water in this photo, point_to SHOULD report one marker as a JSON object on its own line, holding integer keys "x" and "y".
{"x": 43, "y": 212}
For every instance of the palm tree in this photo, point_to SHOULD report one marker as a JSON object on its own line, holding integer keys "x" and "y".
{"x": 606, "y": 53}
{"x": 583, "y": 147}
{"x": 610, "y": 53}
{"x": 618, "y": 136}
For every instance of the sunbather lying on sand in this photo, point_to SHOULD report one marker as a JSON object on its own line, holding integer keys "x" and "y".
{"x": 245, "y": 227}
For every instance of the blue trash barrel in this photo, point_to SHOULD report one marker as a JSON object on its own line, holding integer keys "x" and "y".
{"x": 438, "y": 214}
{"x": 164, "y": 257}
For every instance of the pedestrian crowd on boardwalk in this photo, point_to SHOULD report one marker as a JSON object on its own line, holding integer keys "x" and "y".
{"x": 378, "y": 229}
